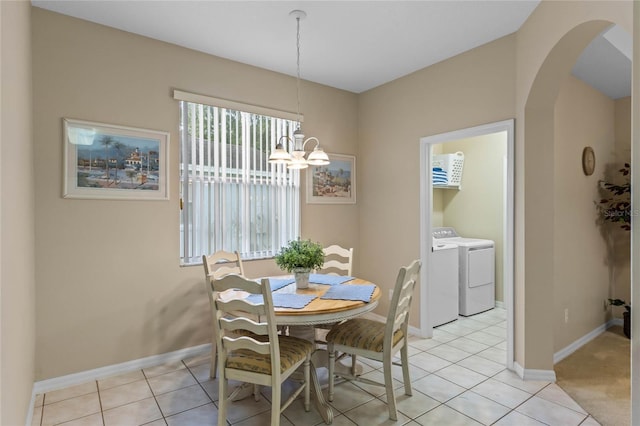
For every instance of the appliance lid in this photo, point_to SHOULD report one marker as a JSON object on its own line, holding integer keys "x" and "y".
{"x": 438, "y": 246}
{"x": 472, "y": 242}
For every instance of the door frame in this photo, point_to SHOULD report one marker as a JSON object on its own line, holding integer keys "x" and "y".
{"x": 426, "y": 239}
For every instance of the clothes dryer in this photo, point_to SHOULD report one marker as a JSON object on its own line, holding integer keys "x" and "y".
{"x": 476, "y": 270}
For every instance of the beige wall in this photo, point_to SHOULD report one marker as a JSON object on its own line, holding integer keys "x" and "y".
{"x": 584, "y": 117}
{"x": 109, "y": 285}
{"x": 17, "y": 280}
{"x": 474, "y": 88}
{"x": 477, "y": 210}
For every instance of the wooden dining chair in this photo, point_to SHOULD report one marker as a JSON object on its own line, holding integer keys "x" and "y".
{"x": 377, "y": 340}
{"x": 259, "y": 355}
{"x": 216, "y": 266}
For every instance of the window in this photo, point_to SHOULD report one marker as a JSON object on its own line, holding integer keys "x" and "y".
{"x": 232, "y": 198}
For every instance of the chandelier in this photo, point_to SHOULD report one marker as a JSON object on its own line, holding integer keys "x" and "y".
{"x": 296, "y": 159}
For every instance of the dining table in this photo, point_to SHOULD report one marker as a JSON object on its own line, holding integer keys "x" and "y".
{"x": 328, "y": 299}
{"x": 334, "y": 301}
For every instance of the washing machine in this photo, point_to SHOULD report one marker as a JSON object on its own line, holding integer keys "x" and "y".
{"x": 476, "y": 270}
{"x": 443, "y": 299}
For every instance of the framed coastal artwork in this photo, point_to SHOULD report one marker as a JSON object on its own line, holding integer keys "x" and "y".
{"x": 334, "y": 183}
{"x": 106, "y": 161}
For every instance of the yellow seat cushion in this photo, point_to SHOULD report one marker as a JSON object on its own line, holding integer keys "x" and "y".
{"x": 292, "y": 350}
{"x": 362, "y": 334}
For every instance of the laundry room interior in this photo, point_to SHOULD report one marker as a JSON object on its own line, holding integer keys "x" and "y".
{"x": 468, "y": 225}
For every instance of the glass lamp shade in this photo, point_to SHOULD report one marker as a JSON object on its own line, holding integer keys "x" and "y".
{"x": 318, "y": 157}
{"x": 279, "y": 156}
{"x": 297, "y": 161}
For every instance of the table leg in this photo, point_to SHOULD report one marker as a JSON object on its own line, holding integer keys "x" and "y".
{"x": 323, "y": 361}
{"x": 318, "y": 359}
{"x": 322, "y": 405}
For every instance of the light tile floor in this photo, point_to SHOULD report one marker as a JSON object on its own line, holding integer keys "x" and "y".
{"x": 458, "y": 378}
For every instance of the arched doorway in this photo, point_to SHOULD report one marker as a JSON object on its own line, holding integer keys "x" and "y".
{"x": 541, "y": 180}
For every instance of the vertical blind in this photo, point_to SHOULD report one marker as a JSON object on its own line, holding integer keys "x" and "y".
{"x": 232, "y": 198}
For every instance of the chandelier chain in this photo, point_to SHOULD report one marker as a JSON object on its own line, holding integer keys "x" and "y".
{"x": 298, "y": 67}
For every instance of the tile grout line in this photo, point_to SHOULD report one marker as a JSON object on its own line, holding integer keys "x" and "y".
{"x": 100, "y": 402}
{"x": 146, "y": 379}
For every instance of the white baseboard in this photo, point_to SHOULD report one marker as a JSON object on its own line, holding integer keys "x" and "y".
{"x": 102, "y": 372}
{"x": 110, "y": 370}
{"x": 568, "y": 350}
{"x": 531, "y": 374}
{"x": 55, "y": 383}
{"x": 499, "y": 304}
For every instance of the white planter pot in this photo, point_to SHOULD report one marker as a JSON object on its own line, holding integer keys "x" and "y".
{"x": 302, "y": 277}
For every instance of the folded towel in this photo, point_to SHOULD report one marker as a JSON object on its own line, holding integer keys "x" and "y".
{"x": 278, "y": 283}
{"x": 284, "y": 300}
{"x": 328, "y": 279}
{"x": 350, "y": 292}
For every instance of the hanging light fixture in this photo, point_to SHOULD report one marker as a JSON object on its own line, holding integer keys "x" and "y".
{"x": 297, "y": 160}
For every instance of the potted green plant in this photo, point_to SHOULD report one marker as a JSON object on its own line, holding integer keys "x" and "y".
{"x": 626, "y": 315}
{"x": 300, "y": 257}
{"x": 615, "y": 208}
{"x": 615, "y": 204}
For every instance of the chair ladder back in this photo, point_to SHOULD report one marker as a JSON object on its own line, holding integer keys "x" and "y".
{"x": 401, "y": 302}
{"x": 222, "y": 263}
{"x": 240, "y": 323}
{"x": 229, "y": 322}
{"x": 217, "y": 265}
{"x": 338, "y": 259}
{"x": 246, "y": 342}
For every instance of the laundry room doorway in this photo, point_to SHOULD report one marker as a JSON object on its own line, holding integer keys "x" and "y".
{"x": 478, "y": 204}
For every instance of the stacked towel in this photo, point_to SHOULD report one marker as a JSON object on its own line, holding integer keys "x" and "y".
{"x": 440, "y": 176}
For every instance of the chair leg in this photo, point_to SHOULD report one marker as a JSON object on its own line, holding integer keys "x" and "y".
{"x": 353, "y": 365}
{"x": 222, "y": 401}
{"x": 332, "y": 366}
{"x": 307, "y": 384}
{"x": 214, "y": 358}
{"x": 276, "y": 396}
{"x": 404, "y": 355}
{"x": 388, "y": 384}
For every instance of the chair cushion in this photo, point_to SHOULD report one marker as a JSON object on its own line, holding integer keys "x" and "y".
{"x": 292, "y": 350}
{"x": 362, "y": 334}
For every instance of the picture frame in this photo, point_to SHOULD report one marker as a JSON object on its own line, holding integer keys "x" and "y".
{"x": 334, "y": 183}
{"x": 111, "y": 162}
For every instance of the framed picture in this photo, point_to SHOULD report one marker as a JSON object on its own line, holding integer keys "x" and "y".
{"x": 334, "y": 183}
{"x": 104, "y": 161}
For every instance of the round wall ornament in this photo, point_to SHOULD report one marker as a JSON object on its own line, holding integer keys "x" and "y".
{"x": 588, "y": 161}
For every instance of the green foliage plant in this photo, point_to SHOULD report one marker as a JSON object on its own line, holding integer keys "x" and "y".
{"x": 619, "y": 302}
{"x": 615, "y": 205}
{"x": 304, "y": 254}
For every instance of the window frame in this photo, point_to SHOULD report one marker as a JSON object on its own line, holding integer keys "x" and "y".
{"x": 252, "y": 179}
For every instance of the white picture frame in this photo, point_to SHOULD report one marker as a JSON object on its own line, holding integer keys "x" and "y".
{"x": 111, "y": 162}
{"x": 334, "y": 183}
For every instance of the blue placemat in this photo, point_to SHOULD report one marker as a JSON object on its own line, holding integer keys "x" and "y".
{"x": 328, "y": 279}
{"x": 278, "y": 283}
{"x": 285, "y": 300}
{"x": 350, "y": 292}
